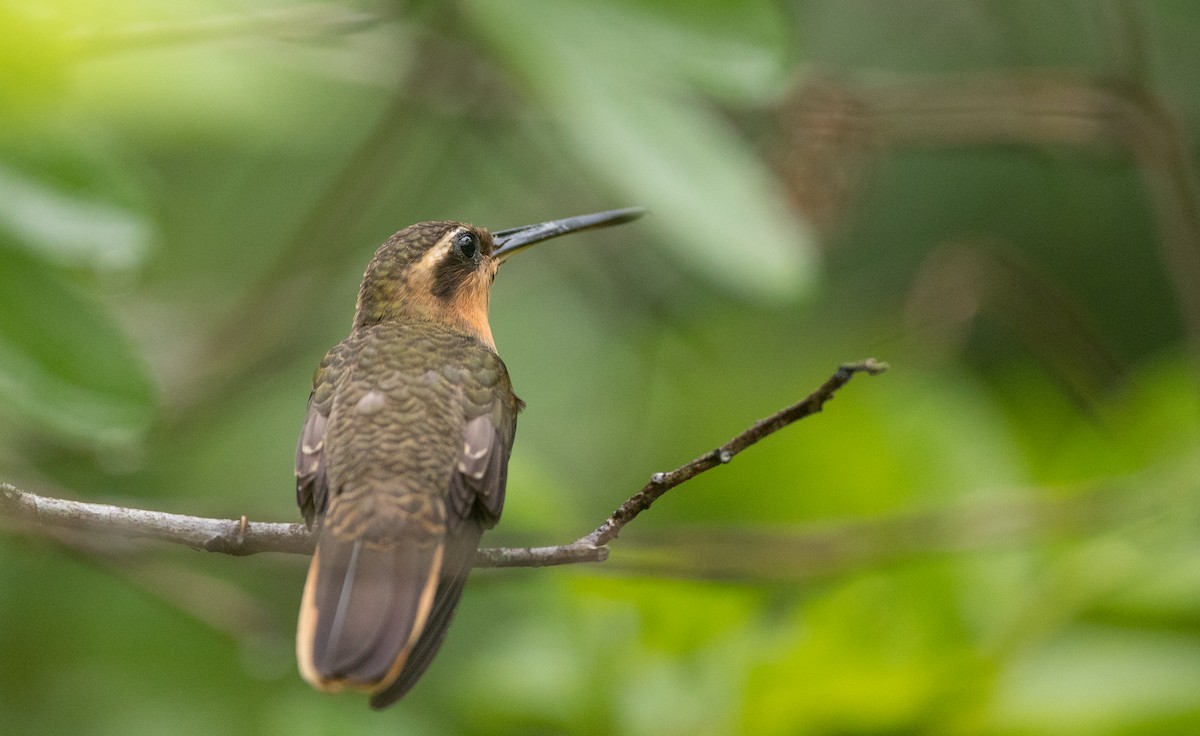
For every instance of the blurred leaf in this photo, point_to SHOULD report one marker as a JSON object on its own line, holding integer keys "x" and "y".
{"x": 746, "y": 43}
{"x": 63, "y": 363}
{"x": 70, "y": 229}
{"x": 1096, "y": 680}
{"x": 654, "y": 137}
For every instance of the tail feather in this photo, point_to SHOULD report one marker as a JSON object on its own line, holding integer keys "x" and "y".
{"x": 459, "y": 559}
{"x": 364, "y": 606}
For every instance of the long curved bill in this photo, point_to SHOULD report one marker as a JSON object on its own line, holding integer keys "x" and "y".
{"x": 518, "y": 238}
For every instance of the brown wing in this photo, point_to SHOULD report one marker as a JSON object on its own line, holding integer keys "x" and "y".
{"x": 312, "y": 482}
{"x": 474, "y": 503}
{"x": 477, "y": 488}
{"x": 312, "y": 486}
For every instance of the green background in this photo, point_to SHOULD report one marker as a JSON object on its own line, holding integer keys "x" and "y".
{"x": 998, "y": 536}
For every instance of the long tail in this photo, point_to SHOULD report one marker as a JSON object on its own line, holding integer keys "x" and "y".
{"x": 459, "y": 559}
{"x": 364, "y": 609}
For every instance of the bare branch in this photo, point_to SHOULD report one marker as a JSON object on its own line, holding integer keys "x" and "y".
{"x": 660, "y": 483}
{"x": 231, "y": 537}
{"x": 242, "y": 537}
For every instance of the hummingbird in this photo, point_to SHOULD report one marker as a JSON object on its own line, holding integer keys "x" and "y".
{"x": 403, "y": 456}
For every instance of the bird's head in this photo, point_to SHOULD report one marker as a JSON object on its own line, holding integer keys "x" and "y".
{"x": 442, "y": 271}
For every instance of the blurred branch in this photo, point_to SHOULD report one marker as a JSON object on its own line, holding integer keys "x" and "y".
{"x": 1040, "y": 109}
{"x": 253, "y": 338}
{"x": 828, "y": 548}
{"x": 299, "y": 22}
{"x": 242, "y": 537}
{"x": 962, "y": 280}
{"x": 1122, "y": 28}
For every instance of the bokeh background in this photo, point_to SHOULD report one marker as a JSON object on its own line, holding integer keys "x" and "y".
{"x": 999, "y": 536}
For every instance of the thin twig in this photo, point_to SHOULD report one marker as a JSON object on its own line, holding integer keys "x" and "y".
{"x": 242, "y": 537}
{"x": 660, "y": 483}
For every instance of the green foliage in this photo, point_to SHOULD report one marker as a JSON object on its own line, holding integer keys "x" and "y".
{"x": 996, "y": 537}
{"x": 63, "y": 363}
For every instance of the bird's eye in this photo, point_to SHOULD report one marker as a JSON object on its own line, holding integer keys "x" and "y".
{"x": 467, "y": 245}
